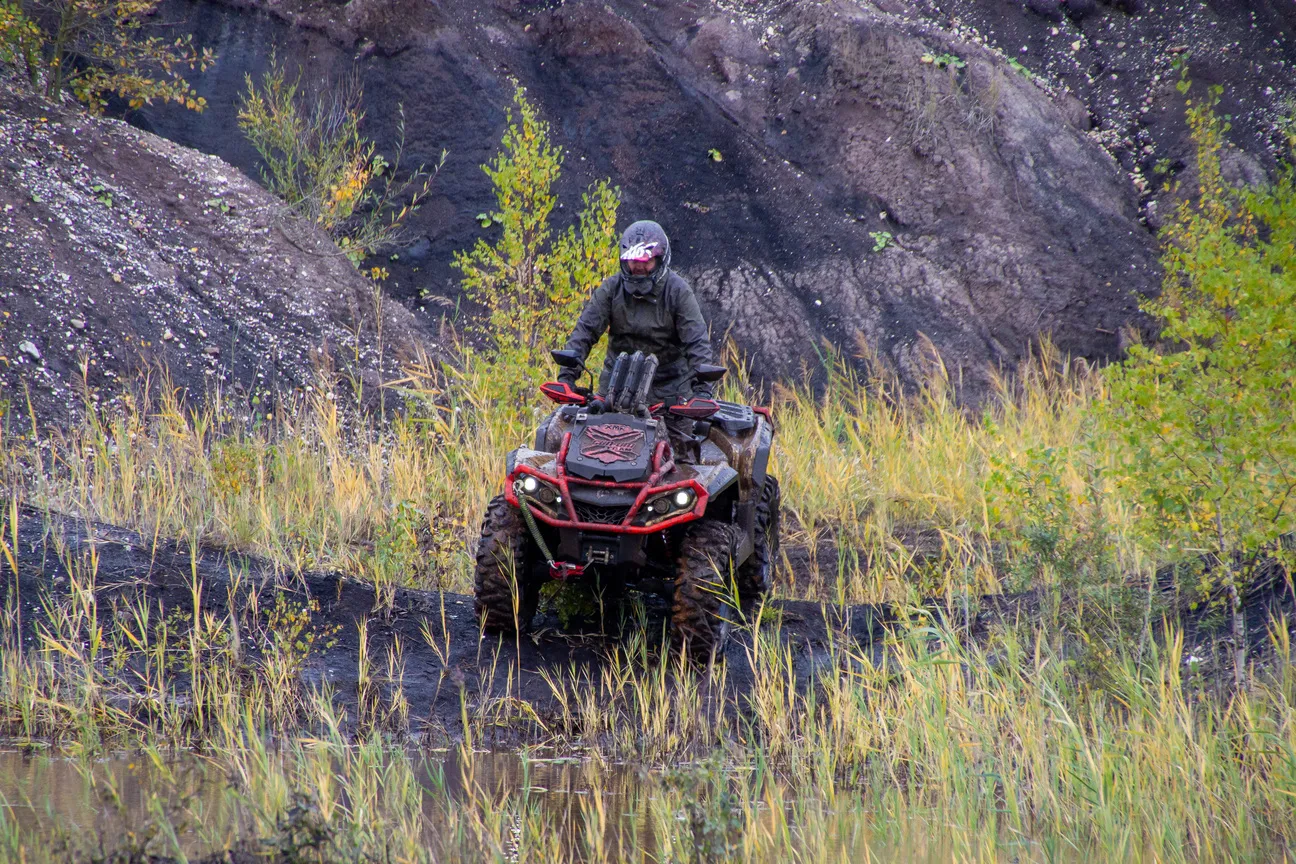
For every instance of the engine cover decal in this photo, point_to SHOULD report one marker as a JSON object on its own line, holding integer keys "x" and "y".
{"x": 612, "y": 442}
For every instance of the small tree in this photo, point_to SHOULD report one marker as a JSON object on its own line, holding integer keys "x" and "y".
{"x": 532, "y": 282}
{"x": 20, "y": 40}
{"x": 95, "y": 48}
{"x": 1210, "y": 422}
{"x": 315, "y": 158}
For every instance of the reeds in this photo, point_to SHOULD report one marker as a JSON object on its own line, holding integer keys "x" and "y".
{"x": 905, "y": 489}
{"x": 1016, "y": 747}
{"x": 944, "y": 751}
{"x": 884, "y": 491}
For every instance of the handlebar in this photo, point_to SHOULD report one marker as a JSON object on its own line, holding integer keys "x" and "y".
{"x": 564, "y": 393}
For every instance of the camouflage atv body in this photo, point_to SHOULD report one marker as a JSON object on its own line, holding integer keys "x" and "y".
{"x": 672, "y": 499}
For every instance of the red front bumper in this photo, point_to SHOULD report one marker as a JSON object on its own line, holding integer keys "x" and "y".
{"x": 563, "y": 514}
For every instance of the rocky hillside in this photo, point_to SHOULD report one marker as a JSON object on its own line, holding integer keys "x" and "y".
{"x": 975, "y": 171}
{"x": 121, "y": 251}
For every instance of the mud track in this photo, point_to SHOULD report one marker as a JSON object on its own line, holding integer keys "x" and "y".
{"x": 489, "y": 672}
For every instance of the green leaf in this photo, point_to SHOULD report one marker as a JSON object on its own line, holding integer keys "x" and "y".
{"x": 942, "y": 61}
{"x": 1207, "y": 418}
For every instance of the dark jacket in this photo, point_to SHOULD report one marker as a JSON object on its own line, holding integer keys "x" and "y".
{"x": 665, "y": 321}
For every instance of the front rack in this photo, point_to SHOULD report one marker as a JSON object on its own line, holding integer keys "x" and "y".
{"x": 567, "y": 517}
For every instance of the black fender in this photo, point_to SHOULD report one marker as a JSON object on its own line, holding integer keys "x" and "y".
{"x": 722, "y": 481}
{"x": 723, "y": 487}
{"x": 760, "y": 463}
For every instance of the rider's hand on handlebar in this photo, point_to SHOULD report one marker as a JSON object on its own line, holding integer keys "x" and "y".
{"x": 596, "y": 405}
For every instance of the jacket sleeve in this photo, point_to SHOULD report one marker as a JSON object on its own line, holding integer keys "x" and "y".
{"x": 590, "y": 326}
{"x": 691, "y": 328}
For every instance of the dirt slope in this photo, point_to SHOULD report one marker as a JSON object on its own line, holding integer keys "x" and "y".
{"x": 120, "y": 250}
{"x": 1013, "y": 203}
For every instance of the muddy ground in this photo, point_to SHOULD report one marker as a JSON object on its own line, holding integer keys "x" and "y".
{"x": 488, "y": 674}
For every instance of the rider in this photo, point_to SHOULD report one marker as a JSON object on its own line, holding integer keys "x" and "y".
{"x": 646, "y": 307}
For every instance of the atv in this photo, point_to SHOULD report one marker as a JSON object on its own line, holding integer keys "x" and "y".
{"x": 670, "y": 499}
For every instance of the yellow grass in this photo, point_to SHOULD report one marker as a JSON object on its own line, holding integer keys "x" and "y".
{"x": 902, "y": 485}
{"x": 1017, "y": 748}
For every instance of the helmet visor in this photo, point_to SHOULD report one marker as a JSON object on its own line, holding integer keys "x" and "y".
{"x": 642, "y": 251}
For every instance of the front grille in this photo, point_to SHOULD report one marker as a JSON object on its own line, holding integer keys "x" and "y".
{"x": 600, "y": 515}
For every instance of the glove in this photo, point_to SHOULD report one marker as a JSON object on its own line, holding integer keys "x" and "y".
{"x": 596, "y": 405}
{"x": 702, "y": 392}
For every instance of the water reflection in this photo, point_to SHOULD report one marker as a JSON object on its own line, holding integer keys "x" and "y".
{"x": 115, "y": 800}
{"x": 183, "y": 803}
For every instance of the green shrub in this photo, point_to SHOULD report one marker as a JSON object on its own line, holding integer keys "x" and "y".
{"x": 20, "y": 40}
{"x": 315, "y": 158}
{"x": 95, "y": 48}
{"x": 532, "y": 281}
{"x": 712, "y": 815}
{"x": 1208, "y": 421}
{"x": 1059, "y": 536}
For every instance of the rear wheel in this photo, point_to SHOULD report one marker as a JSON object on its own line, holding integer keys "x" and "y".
{"x": 702, "y": 613}
{"x": 756, "y": 575}
{"x": 505, "y": 588}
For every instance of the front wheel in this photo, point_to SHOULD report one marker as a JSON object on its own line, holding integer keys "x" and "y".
{"x": 702, "y": 614}
{"x": 505, "y": 588}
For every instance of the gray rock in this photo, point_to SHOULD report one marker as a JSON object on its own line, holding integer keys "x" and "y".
{"x": 1050, "y": 9}
{"x": 269, "y": 290}
{"x": 418, "y": 251}
{"x": 1010, "y": 216}
{"x": 1079, "y": 9}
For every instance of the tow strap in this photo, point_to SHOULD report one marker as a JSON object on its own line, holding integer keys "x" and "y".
{"x": 560, "y": 570}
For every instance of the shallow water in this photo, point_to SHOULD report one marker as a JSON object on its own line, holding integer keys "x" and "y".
{"x": 57, "y": 801}
{"x": 183, "y": 804}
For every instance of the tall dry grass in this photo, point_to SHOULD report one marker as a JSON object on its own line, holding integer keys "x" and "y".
{"x": 902, "y": 491}
{"x": 941, "y": 752}
{"x": 1021, "y": 747}
{"x": 913, "y": 490}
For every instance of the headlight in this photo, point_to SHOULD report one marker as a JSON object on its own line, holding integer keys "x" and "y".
{"x": 536, "y": 489}
{"x": 681, "y": 499}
